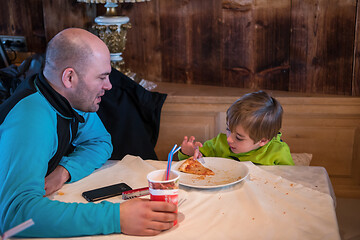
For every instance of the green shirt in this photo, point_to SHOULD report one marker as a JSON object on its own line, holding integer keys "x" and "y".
{"x": 275, "y": 152}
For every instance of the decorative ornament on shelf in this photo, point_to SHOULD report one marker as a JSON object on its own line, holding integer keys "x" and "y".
{"x": 112, "y": 29}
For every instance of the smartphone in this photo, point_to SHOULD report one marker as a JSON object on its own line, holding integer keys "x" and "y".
{"x": 106, "y": 192}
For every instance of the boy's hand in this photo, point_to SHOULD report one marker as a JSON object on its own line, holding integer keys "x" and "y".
{"x": 188, "y": 146}
{"x": 198, "y": 155}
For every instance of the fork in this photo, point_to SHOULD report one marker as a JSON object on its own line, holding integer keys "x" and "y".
{"x": 181, "y": 201}
{"x": 200, "y": 159}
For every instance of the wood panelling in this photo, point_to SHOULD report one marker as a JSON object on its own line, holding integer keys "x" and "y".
{"x": 356, "y": 65}
{"x": 190, "y": 41}
{"x": 173, "y": 123}
{"x": 143, "y": 49}
{"x": 322, "y": 46}
{"x": 60, "y": 14}
{"x": 306, "y": 138}
{"x": 24, "y": 18}
{"x": 309, "y": 46}
{"x": 256, "y": 47}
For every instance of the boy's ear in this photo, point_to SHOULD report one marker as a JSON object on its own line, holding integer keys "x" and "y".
{"x": 68, "y": 77}
{"x": 263, "y": 142}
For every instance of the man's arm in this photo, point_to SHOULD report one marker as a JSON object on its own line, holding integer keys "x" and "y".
{"x": 26, "y": 147}
{"x": 55, "y": 180}
{"x": 28, "y": 141}
{"x": 146, "y": 218}
{"x": 92, "y": 134}
{"x": 92, "y": 148}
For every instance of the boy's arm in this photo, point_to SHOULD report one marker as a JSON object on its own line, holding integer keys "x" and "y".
{"x": 188, "y": 147}
{"x": 284, "y": 156}
{"x": 209, "y": 148}
{"x": 182, "y": 156}
{"x": 281, "y": 152}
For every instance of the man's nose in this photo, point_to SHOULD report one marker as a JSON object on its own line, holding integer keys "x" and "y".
{"x": 107, "y": 84}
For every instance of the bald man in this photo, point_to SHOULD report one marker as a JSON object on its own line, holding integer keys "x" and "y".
{"x": 50, "y": 134}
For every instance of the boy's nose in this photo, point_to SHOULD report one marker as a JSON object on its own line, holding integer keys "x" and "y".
{"x": 229, "y": 139}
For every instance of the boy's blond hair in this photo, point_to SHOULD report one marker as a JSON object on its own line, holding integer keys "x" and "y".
{"x": 259, "y": 114}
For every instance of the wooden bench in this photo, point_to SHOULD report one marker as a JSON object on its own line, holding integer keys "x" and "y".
{"x": 326, "y": 126}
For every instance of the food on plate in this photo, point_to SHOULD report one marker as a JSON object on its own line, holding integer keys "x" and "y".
{"x": 194, "y": 167}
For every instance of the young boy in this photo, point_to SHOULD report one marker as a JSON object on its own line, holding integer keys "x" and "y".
{"x": 252, "y": 134}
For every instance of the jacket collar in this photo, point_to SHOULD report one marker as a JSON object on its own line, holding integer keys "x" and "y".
{"x": 59, "y": 103}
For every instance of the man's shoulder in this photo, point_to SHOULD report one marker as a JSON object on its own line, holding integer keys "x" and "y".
{"x": 29, "y": 108}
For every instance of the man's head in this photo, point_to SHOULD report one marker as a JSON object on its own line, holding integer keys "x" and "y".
{"x": 253, "y": 120}
{"x": 77, "y": 65}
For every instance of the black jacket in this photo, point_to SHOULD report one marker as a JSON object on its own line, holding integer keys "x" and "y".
{"x": 131, "y": 114}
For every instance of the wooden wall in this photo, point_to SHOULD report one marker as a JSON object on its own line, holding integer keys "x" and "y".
{"x": 309, "y": 46}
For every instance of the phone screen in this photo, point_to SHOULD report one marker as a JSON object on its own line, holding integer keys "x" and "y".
{"x": 106, "y": 192}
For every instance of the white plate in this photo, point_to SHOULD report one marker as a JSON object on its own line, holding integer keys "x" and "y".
{"x": 227, "y": 172}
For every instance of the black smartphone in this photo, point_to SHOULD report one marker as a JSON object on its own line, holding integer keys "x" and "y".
{"x": 106, "y": 192}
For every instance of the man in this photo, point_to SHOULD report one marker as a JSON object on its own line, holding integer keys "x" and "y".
{"x": 50, "y": 134}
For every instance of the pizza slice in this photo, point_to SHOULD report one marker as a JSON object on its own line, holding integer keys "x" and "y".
{"x": 194, "y": 167}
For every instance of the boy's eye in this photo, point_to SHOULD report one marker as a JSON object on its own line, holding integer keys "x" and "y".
{"x": 239, "y": 139}
{"x": 227, "y": 129}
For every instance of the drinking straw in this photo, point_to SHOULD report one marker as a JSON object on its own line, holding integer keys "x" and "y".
{"x": 170, "y": 157}
{"x": 169, "y": 162}
{"x": 177, "y": 150}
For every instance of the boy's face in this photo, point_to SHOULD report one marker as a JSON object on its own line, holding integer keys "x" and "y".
{"x": 240, "y": 142}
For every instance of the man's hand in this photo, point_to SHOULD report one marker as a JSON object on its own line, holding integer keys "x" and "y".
{"x": 55, "y": 180}
{"x": 143, "y": 217}
{"x": 188, "y": 146}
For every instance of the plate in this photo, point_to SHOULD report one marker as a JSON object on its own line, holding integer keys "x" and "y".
{"x": 227, "y": 172}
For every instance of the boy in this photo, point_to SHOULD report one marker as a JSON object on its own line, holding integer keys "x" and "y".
{"x": 252, "y": 134}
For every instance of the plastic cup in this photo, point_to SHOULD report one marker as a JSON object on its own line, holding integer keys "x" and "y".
{"x": 164, "y": 190}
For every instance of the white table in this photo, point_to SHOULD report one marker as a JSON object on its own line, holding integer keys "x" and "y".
{"x": 314, "y": 177}
{"x": 273, "y": 202}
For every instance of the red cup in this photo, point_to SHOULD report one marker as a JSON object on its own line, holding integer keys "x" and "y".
{"x": 164, "y": 190}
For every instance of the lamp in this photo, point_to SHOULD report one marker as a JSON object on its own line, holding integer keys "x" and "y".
{"x": 112, "y": 29}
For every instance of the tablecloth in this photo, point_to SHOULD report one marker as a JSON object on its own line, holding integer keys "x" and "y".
{"x": 263, "y": 206}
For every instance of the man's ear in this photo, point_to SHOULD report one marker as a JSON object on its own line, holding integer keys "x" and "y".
{"x": 68, "y": 77}
{"x": 263, "y": 142}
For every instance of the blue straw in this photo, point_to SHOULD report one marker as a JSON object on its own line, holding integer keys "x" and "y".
{"x": 168, "y": 166}
{"x": 172, "y": 150}
{"x": 170, "y": 157}
{"x": 177, "y": 150}
{"x": 170, "y": 160}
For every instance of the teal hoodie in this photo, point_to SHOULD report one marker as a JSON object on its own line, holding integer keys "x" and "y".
{"x": 28, "y": 140}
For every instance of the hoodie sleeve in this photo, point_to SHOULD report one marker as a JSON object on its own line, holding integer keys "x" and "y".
{"x": 92, "y": 148}
{"x": 27, "y": 142}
